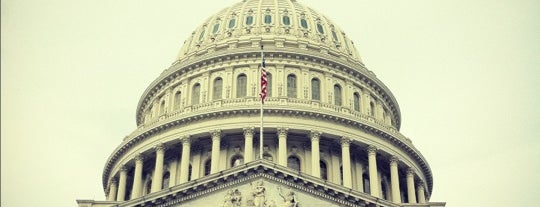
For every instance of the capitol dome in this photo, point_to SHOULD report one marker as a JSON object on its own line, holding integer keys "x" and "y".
{"x": 330, "y": 132}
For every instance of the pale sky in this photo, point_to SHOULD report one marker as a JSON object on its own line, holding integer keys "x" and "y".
{"x": 465, "y": 73}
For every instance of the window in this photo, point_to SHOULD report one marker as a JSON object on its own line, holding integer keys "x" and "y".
{"x": 148, "y": 186}
{"x": 207, "y": 167}
{"x": 315, "y": 89}
{"x": 196, "y": 93}
{"x": 241, "y": 86}
{"x": 356, "y": 100}
{"x": 249, "y": 20}
{"x": 232, "y": 23}
{"x": 304, "y": 24}
{"x": 291, "y": 86}
{"x": 218, "y": 87}
{"x": 201, "y": 36}
{"x": 216, "y": 28}
{"x": 294, "y": 163}
{"x": 267, "y": 156}
{"x": 286, "y": 20}
{"x": 324, "y": 170}
{"x": 237, "y": 161}
{"x": 367, "y": 189}
{"x": 177, "y": 97}
{"x": 320, "y": 28}
{"x": 162, "y": 107}
{"x": 166, "y": 178}
{"x": 334, "y": 35}
{"x": 268, "y": 84}
{"x": 267, "y": 19}
{"x": 337, "y": 95}
{"x": 371, "y": 108}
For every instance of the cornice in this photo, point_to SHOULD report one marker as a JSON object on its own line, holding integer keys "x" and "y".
{"x": 393, "y": 137}
{"x": 272, "y": 54}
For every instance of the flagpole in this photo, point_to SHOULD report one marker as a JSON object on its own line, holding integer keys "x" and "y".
{"x": 261, "y": 129}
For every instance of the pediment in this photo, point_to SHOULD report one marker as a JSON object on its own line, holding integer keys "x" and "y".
{"x": 257, "y": 184}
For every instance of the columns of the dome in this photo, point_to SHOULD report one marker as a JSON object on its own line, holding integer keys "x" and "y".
{"x": 248, "y": 147}
{"x": 173, "y": 168}
{"x": 346, "y": 161}
{"x": 421, "y": 193}
{"x": 157, "y": 181}
{"x": 282, "y": 146}
{"x": 394, "y": 179}
{"x": 137, "y": 177}
{"x": 315, "y": 157}
{"x": 112, "y": 191}
{"x": 373, "y": 175}
{"x": 184, "y": 160}
{"x": 410, "y": 186}
{"x": 216, "y": 144}
{"x": 120, "y": 196}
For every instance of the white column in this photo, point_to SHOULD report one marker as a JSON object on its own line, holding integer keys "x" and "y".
{"x": 112, "y": 190}
{"x": 346, "y": 161}
{"x": 410, "y": 186}
{"x": 315, "y": 157}
{"x": 373, "y": 175}
{"x": 120, "y": 196}
{"x": 394, "y": 179}
{"x": 184, "y": 160}
{"x": 216, "y": 144}
{"x": 137, "y": 177}
{"x": 282, "y": 146}
{"x": 421, "y": 193}
{"x": 157, "y": 181}
{"x": 248, "y": 147}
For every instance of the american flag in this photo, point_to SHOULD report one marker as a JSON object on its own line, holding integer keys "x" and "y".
{"x": 264, "y": 81}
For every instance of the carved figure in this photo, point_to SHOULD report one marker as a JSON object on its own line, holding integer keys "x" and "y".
{"x": 259, "y": 194}
{"x": 289, "y": 198}
{"x": 232, "y": 198}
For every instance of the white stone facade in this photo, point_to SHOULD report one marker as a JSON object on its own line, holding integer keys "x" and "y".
{"x": 330, "y": 126}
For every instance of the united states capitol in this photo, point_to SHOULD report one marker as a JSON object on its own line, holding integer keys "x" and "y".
{"x": 331, "y": 128}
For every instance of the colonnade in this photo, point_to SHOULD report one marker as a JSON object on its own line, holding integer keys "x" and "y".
{"x": 415, "y": 193}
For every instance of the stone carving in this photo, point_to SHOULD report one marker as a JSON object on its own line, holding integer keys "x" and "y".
{"x": 289, "y": 198}
{"x": 259, "y": 196}
{"x": 233, "y": 198}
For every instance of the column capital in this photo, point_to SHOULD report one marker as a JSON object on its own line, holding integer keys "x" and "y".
{"x": 315, "y": 135}
{"x": 372, "y": 150}
{"x": 419, "y": 185}
{"x": 139, "y": 157}
{"x": 113, "y": 182}
{"x": 160, "y": 148}
{"x": 123, "y": 168}
{"x": 345, "y": 142}
{"x": 248, "y": 131}
{"x": 216, "y": 134}
{"x": 282, "y": 131}
{"x": 186, "y": 140}
{"x": 410, "y": 172}
{"x": 394, "y": 160}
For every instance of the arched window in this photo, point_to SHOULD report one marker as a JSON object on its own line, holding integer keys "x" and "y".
{"x": 267, "y": 19}
{"x": 293, "y": 162}
{"x": 177, "y": 97}
{"x": 201, "y": 36}
{"x": 291, "y": 86}
{"x": 267, "y": 156}
{"x": 337, "y": 94}
{"x": 249, "y": 20}
{"x": 315, "y": 89}
{"x": 268, "y": 84}
{"x": 324, "y": 170}
{"x": 218, "y": 88}
{"x": 320, "y": 28}
{"x": 216, "y": 28}
{"x": 334, "y": 35}
{"x": 196, "y": 94}
{"x": 371, "y": 108}
{"x": 286, "y": 20}
{"x": 166, "y": 178}
{"x": 241, "y": 86}
{"x": 162, "y": 107}
{"x": 303, "y": 22}
{"x": 356, "y": 100}
{"x": 232, "y": 23}
{"x": 237, "y": 161}
{"x": 207, "y": 167}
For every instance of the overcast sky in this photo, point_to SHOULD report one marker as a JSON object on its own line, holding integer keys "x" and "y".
{"x": 465, "y": 73}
